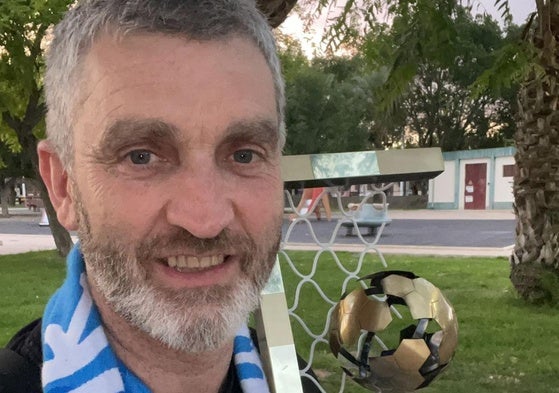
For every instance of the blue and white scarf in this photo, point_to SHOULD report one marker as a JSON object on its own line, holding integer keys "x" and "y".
{"x": 78, "y": 358}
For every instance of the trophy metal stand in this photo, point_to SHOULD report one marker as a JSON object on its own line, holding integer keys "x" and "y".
{"x": 336, "y": 171}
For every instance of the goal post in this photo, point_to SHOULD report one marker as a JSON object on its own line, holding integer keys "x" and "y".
{"x": 276, "y": 319}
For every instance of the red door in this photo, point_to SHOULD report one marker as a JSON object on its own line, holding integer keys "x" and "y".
{"x": 475, "y": 186}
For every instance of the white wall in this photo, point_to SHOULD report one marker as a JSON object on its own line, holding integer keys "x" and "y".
{"x": 503, "y": 185}
{"x": 441, "y": 188}
{"x": 446, "y": 188}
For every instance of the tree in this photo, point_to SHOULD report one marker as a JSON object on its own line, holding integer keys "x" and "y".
{"x": 12, "y": 167}
{"x": 329, "y": 103}
{"x": 533, "y": 60}
{"x": 24, "y": 26}
{"x": 427, "y": 95}
{"x": 535, "y": 260}
{"x": 438, "y": 109}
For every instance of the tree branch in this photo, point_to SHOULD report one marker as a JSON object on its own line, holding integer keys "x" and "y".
{"x": 35, "y": 111}
{"x": 14, "y": 124}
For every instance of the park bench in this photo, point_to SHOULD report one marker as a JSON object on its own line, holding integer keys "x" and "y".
{"x": 368, "y": 215}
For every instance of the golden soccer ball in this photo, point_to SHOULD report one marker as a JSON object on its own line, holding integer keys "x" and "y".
{"x": 421, "y": 350}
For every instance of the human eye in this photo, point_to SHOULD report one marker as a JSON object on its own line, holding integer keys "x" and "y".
{"x": 142, "y": 160}
{"x": 141, "y": 163}
{"x": 244, "y": 156}
{"x": 140, "y": 157}
{"x": 247, "y": 156}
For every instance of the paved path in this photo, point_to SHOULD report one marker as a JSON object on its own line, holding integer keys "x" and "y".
{"x": 21, "y": 233}
{"x": 414, "y": 232}
{"x": 421, "y": 232}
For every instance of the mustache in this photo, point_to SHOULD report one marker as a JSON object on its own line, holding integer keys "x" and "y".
{"x": 180, "y": 239}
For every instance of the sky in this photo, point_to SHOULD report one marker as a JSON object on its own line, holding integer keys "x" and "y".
{"x": 520, "y": 9}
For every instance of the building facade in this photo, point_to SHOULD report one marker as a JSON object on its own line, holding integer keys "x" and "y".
{"x": 474, "y": 179}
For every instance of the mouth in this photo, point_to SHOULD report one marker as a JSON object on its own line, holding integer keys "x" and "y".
{"x": 195, "y": 271}
{"x": 189, "y": 263}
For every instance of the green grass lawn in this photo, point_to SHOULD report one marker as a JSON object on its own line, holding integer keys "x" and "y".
{"x": 504, "y": 344}
{"x": 26, "y": 281}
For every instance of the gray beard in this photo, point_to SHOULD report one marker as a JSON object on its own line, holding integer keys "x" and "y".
{"x": 191, "y": 319}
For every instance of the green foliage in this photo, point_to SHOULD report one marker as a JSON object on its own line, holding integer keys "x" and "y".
{"x": 329, "y": 104}
{"x": 503, "y": 6}
{"x": 10, "y": 140}
{"x": 514, "y": 62}
{"x": 24, "y": 28}
{"x": 429, "y": 91}
{"x": 512, "y": 65}
{"x": 422, "y": 31}
{"x": 24, "y": 33}
{"x": 416, "y": 40}
{"x": 409, "y": 85}
{"x": 426, "y": 30}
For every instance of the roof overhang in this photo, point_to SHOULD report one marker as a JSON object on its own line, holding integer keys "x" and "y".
{"x": 361, "y": 167}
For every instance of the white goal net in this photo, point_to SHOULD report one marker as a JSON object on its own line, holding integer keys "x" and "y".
{"x": 317, "y": 267}
{"x": 304, "y": 280}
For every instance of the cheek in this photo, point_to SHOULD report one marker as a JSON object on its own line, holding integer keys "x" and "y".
{"x": 262, "y": 204}
{"x": 110, "y": 203}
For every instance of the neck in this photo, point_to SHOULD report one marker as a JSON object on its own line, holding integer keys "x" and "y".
{"x": 162, "y": 369}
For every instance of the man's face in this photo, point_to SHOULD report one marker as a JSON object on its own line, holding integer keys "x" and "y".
{"x": 176, "y": 182}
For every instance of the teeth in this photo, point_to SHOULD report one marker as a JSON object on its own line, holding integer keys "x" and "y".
{"x": 181, "y": 261}
{"x": 191, "y": 262}
{"x": 205, "y": 261}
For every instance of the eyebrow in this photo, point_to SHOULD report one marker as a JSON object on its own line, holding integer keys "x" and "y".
{"x": 259, "y": 130}
{"x": 124, "y": 132}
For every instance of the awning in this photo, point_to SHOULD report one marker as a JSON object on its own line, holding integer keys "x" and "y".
{"x": 361, "y": 167}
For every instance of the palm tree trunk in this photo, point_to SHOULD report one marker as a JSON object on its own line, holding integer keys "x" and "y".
{"x": 535, "y": 260}
{"x": 276, "y": 10}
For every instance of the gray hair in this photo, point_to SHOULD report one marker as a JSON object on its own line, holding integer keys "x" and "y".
{"x": 196, "y": 20}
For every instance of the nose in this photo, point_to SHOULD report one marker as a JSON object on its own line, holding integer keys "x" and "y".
{"x": 200, "y": 202}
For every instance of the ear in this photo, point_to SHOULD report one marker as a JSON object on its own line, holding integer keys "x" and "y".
{"x": 55, "y": 178}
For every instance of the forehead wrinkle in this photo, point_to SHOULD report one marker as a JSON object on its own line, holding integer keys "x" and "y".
{"x": 94, "y": 70}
